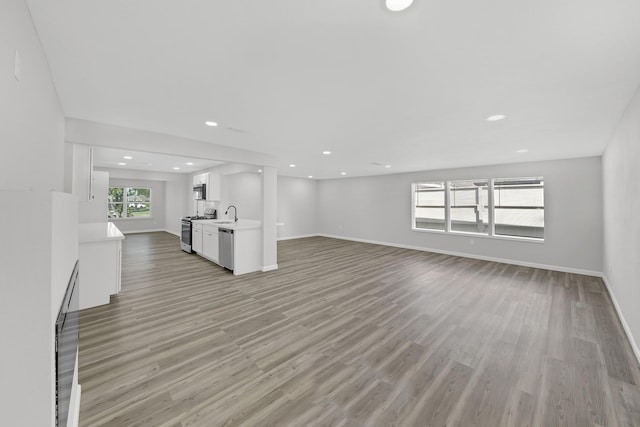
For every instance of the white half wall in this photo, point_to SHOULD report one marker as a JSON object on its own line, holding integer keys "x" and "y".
{"x": 621, "y": 202}
{"x": 36, "y": 268}
{"x": 32, "y": 124}
{"x": 297, "y": 207}
{"x": 378, "y": 209}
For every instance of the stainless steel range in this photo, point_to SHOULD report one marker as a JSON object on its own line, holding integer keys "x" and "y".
{"x": 187, "y": 226}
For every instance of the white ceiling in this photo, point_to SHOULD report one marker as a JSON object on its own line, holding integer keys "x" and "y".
{"x": 411, "y": 89}
{"x": 151, "y": 162}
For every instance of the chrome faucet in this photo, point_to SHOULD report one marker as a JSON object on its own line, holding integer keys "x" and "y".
{"x": 235, "y": 211}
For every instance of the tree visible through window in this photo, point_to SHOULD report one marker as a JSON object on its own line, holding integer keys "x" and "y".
{"x": 129, "y": 202}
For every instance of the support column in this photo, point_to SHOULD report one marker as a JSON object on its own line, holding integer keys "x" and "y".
{"x": 269, "y": 218}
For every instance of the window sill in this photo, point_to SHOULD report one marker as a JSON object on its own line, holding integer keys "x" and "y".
{"x": 483, "y": 236}
{"x": 133, "y": 218}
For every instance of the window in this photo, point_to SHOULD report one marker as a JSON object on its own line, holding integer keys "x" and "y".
{"x": 509, "y": 207}
{"x": 129, "y": 202}
{"x": 430, "y": 206}
{"x": 519, "y": 207}
{"x": 470, "y": 206}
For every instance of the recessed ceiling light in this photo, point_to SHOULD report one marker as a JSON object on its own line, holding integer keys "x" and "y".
{"x": 398, "y": 5}
{"x": 343, "y": 173}
{"x": 496, "y": 118}
{"x": 189, "y": 163}
{"x": 292, "y": 165}
{"x": 524, "y": 150}
{"x": 326, "y": 152}
{"x": 128, "y": 157}
{"x": 259, "y": 170}
{"x": 175, "y": 168}
{"x": 211, "y": 124}
{"x": 122, "y": 164}
{"x": 387, "y": 166}
{"x": 310, "y": 176}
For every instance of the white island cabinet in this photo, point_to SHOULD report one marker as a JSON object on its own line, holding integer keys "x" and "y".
{"x": 100, "y": 262}
{"x": 247, "y": 248}
{"x": 210, "y": 243}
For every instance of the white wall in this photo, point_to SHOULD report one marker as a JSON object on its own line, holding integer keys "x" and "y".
{"x": 177, "y": 195}
{"x": 32, "y": 129}
{"x": 105, "y": 135}
{"x": 296, "y": 201}
{"x": 621, "y": 201}
{"x": 32, "y": 122}
{"x": 36, "y": 267}
{"x": 297, "y": 207}
{"x": 379, "y": 209}
{"x": 158, "y": 206}
{"x": 244, "y": 191}
{"x": 95, "y": 210}
{"x": 230, "y": 188}
{"x": 176, "y": 203}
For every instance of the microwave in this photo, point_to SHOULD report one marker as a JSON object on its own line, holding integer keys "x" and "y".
{"x": 200, "y": 192}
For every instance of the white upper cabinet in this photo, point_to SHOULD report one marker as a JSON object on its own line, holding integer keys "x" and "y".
{"x": 214, "y": 188}
{"x": 202, "y": 178}
{"x": 212, "y": 181}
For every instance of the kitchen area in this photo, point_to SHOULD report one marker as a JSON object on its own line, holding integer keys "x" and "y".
{"x": 215, "y": 213}
{"x": 230, "y": 242}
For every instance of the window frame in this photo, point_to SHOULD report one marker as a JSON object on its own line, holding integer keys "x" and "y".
{"x": 125, "y": 203}
{"x": 414, "y": 201}
{"x": 489, "y": 207}
{"x": 491, "y": 214}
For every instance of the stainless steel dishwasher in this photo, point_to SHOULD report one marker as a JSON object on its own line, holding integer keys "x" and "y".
{"x": 226, "y": 244}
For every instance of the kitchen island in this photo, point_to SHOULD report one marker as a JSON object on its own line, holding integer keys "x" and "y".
{"x": 100, "y": 253}
{"x": 247, "y": 252}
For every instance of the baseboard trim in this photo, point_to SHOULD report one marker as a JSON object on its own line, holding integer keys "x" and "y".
{"x": 155, "y": 230}
{"x": 472, "y": 256}
{"x": 303, "y": 236}
{"x": 269, "y": 268}
{"x": 171, "y": 232}
{"x": 625, "y": 325}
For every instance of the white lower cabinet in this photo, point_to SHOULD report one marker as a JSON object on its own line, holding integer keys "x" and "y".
{"x": 247, "y": 250}
{"x": 196, "y": 238}
{"x": 210, "y": 243}
{"x": 100, "y": 253}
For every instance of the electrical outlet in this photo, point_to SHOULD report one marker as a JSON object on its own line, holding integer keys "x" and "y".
{"x": 472, "y": 241}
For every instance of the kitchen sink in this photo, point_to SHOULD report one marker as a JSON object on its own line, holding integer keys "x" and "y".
{"x": 224, "y": 222}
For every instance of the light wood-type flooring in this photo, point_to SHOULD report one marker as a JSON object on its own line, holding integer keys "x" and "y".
{"x": 352, "y": 334}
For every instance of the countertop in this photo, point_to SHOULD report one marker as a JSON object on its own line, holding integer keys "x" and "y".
{"x": 242, "y": 224}
{"x": 98, "y": 232}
